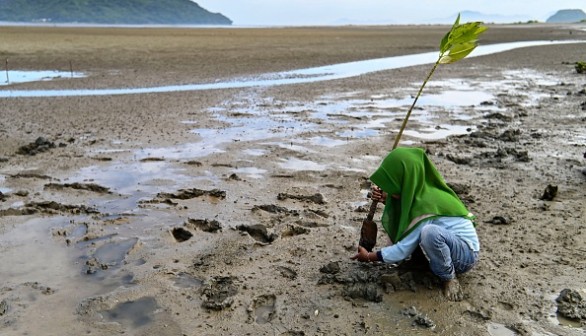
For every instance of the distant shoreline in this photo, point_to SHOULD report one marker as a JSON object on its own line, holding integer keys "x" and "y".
{"x": 157, "y": 26}
{"x": 98, "y": 25}
{"x": 111, "y": 56}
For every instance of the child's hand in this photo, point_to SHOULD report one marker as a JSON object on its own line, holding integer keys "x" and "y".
{"x": 378, "y": 195}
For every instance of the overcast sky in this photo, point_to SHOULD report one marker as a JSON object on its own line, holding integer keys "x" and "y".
{"x": 327, "y": 12}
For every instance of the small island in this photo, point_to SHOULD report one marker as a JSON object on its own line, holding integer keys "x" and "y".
{"x": 567, "y": 16}
{"x": 133, "y": 12}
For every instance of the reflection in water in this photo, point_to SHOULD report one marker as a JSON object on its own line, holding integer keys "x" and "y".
{"x": 358, "y": 133}
{"x": 254, "y": 151}
{"x": 309, "y": 75}
{"x": 127, "y": 178}
{"x": 21, "y": 76}
{"x": 497, "y": 329}
{"x": 253, "y": 128}
{"x": 299, "y": 165}
{"x": 114, "y": 252}
{"x": 438, "y": 132}
{"x": 251, "y": 172}
{"x": 4, "y": 190}
{"x": 326, "y": 142}
{"x": 249, "y": 121}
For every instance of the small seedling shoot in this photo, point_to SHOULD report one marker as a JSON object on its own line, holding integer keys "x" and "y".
{"x": 458, "y": 43}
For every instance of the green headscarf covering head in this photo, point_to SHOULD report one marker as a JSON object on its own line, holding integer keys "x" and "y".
{"x": 423, "y": 192}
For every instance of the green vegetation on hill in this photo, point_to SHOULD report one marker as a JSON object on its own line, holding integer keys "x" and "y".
{"x": 567, "y": 16}
{"x": 109, "y": 12}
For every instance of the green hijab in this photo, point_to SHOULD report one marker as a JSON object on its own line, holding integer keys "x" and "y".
{"x": 423, "y": 192}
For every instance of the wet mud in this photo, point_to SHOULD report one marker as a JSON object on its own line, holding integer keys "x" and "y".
{"x": 235, "y": 212}
{"x": 38, "y": 146}
{"x": 78, "y": 186}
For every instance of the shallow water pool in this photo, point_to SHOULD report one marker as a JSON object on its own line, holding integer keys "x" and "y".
{"x": 308, "y": 75}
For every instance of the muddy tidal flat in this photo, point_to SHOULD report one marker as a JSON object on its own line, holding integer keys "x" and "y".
{"x": 163, "y": 181}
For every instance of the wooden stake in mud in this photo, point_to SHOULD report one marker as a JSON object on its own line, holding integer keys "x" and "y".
{"x": 71, "y": 68}
{"x": 458, "y": 43}
{"x": 7, "y": 79}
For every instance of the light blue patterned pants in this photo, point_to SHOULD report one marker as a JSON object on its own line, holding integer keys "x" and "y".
{"x": 448, "y": 255}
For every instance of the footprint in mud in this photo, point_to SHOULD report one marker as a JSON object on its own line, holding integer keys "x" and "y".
{"x": 184, "y": 280}
{"x": 17, "y": 301}
{"x": 287, "y": 272}
{"x": 110, "y": 255}
{"x": 3, "y": 307}
{"x": 293, "y": 333}
{"x": 263, "y": 309}
{"x": 71, "y": 233}
{"x": 114, "y": 252}
{"x": 219, "y": 293}
{"x": 293, "y": 230}
{"x": 275, "y": 209}
{"x": 205, "y": 225}
{"x": 134, "y": 314}
{"x": 368, "y": 292}
{"x": 549, "y": 193}
{"x": 185, "y": 194}
{"x": 181, "y": 235}
{"x": 259, "y": 232}
{"x": 315, "y": 198}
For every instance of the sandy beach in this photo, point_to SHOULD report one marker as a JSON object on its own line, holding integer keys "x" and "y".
{"x": 235, "y": 210}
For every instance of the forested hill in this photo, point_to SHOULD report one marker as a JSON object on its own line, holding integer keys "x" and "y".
{"x": 110, "y": 12}
{"x": 567, "y": 16}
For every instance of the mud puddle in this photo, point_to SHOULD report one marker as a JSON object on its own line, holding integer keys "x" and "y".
{"x": 250, "y": 172}
{"x": 298, "y": 165}
{"x": 249, "y": 118}
{"x": 438, "y": 132}
{"x": 133, "y": 314}
{"x": 252, "y": 119}
{"x": 497, "y": 329}
{"x": 44, "y": 271}
{"x": 35, "y": 257}
{"x": 23, "y": 76}
{"x": 127, "y": 178}
{"x": 184, "y": 280}
{"x": 3, "y": 189}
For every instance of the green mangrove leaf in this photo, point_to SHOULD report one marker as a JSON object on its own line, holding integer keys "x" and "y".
{"x": 459, "y": 39}
{"x": 466, "y": 33}
{"x": 446, "y": 38}
{"x": 457, "y": 52}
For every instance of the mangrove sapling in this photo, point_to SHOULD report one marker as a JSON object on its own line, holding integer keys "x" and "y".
{"x": 456, "y": 44}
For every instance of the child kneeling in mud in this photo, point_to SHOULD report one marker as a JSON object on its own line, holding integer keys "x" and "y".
{"x": 422, "y": 210}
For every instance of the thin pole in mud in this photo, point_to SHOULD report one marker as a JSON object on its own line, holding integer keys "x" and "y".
{"x": 7, "y": 78}
{"x": 71, "y": 68}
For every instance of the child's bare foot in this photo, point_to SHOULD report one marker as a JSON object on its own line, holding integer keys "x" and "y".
{"x": 452, "y": 290}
